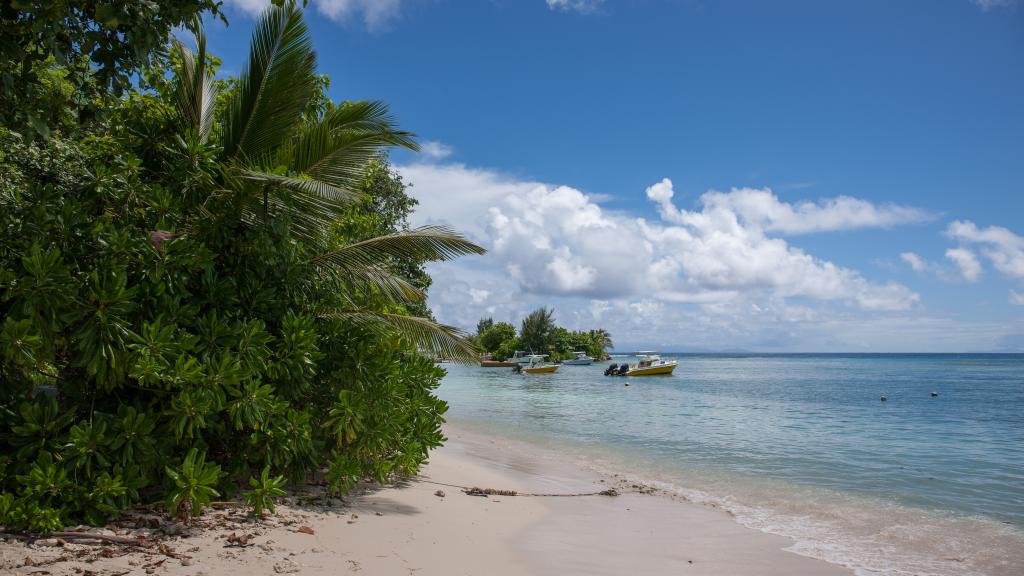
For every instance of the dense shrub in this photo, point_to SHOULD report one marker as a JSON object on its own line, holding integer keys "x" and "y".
{"x": 188, "y": 308}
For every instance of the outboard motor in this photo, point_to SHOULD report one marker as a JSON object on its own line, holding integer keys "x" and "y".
{"x": 518, "y": 368}
{"x": 623, "y": 369}
{"x": 611, "y": 369}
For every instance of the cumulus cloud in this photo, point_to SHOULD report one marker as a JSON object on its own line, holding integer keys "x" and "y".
{"x": 581, "y": 6}
{"x": 558, "y": 241}
{"x": 249, "y": 6}
{"x": 966, "y": 262}
{"x": 435, "y": 150}
{"x": 375, "y": 13}
{"x": 915, "y": 261}
{"x": 1002, "y": 247}
{"x": 1016, "y": 298}
{"x": 761, "y": 209}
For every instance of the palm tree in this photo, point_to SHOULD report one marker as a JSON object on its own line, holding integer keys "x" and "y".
{"x": 536, "y": 329}
{"x": 275, "y": 161}
{"x": 602, "y": 338}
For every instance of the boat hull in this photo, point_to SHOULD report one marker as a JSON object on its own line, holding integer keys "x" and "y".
{"x": 496, "y": 364}
{"x": 651, "y": 370}
{"x": 541, "y": 369}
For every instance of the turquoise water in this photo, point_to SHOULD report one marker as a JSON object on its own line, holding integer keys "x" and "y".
{"x": 800, "y": 445}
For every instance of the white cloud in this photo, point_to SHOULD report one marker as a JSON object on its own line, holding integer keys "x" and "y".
{"x": 433, "y": 150}
{"x": 1001, "y": 246}
{"x": 966, "y": 262}
{"x": 556, "y": 241}
{"x": 581, "y": 6}
{"x": 252, "y": 7}
{"x": 375, "y": 13}
{"x": 762, "y": 209}
{"x": 1016, "y": 298}
{"x": 915, "y": 261}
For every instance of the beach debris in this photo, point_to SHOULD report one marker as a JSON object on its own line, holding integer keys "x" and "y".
{"x": 353, "y": 519}
{"x": 306, "y": 530}
{"x": 379, "y": 513}
{"x": 242, "y": 541}
{"x": 474, "y": 491}
{"x": 884, "y": 398}
{"x": 439, "y": 493}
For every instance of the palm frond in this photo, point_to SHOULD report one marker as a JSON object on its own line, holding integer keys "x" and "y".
{"x": 315, "y": 191}
{"x": 432, "y": 338}
{"x": 424, "y": 244}
{"x": 195, "y": 95}
{"x": 338, "y": 147}
{"x": 275, "y": 87}
{"x": 375, "y": 279}
{"x": 311, "y": 206}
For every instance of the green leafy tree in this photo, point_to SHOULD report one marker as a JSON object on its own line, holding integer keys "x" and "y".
{"x": 537, "y": 329}
{"x": 59, "y": 55}
{"x": 493, "y": 337}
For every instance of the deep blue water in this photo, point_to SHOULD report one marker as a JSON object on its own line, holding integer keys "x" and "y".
{"x": 799, "y": 439}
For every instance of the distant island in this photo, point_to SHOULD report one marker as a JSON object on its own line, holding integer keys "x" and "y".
{"x": 539, "y": 334}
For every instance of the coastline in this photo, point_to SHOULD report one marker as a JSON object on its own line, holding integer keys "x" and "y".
{"x": 409, "y": 529}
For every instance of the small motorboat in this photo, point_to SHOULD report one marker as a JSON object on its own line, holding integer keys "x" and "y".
{"x": 536, "y": 367}
{"x": 651, "y": 365}
{"x": 581, "y": 359}
{"x": 648, "y": 364}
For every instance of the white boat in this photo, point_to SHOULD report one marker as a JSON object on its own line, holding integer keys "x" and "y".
{"x": 581, "y": 359}
{"x": 521, "y": 357}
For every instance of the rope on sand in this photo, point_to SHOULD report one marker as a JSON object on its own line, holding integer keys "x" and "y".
{"x": 477, "y": 491}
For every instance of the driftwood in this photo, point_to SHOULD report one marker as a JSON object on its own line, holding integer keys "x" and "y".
{"x": 83, "y": 536}
{"x": 477, "y": 491}
{"x": 139, "y": 541}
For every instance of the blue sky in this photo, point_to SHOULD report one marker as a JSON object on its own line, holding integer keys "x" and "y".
{"x": 841, "y": 176}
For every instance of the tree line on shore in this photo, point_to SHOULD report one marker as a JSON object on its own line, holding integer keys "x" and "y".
{"x": 208, "y": 286}
{"x": 539, "y": 334}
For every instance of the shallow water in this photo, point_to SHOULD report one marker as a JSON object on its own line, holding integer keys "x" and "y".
{"x": 801, "y": 445}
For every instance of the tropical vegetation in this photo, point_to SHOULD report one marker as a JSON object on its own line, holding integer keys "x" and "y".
{"x": 538, "y": 333}
{"x": 207, "y": 286}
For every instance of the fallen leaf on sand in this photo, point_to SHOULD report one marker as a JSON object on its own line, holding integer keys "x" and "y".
{"x": 242, "y": 541}
{"x": 306, "y": 530}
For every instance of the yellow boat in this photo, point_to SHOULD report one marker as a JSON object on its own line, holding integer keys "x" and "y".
{"x": 650, "y": 365}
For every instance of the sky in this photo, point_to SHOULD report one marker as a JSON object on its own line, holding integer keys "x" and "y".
{"x": 792, "y": 176}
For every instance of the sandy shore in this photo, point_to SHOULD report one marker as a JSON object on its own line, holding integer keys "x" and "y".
{"x": 412, "y": 529}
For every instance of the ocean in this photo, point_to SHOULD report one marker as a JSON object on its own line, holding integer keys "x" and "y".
{"x": 799, "y": 445}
